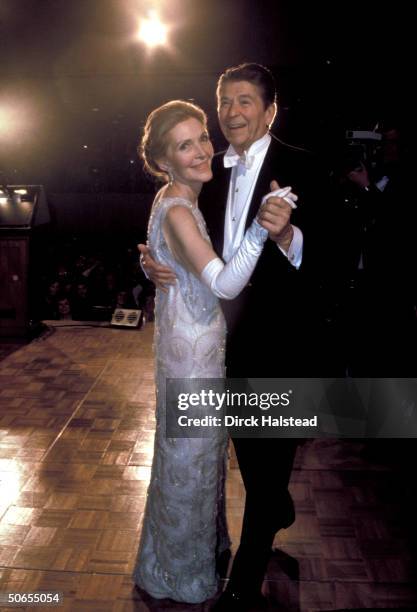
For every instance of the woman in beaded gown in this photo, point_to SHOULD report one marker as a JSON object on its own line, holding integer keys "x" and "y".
{"x": 184, "y": 525}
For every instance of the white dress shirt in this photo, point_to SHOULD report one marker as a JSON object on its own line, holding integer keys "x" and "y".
{"x": 245, "y": 172}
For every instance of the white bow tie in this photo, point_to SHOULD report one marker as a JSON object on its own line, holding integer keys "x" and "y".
{"x": 233, "y": 160}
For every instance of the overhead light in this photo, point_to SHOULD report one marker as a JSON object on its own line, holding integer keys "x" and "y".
{"x": 152, "y": 31}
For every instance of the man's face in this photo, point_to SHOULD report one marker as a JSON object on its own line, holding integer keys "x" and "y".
{"x": 242, "y": 114}
{"x": 64, "y": 307}
{"x": 390, "y": 146}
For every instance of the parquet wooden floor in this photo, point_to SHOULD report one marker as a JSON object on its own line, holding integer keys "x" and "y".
{"x": 76, "y": 433}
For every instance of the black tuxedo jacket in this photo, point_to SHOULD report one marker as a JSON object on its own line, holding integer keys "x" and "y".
{"x": 274, "y": 324}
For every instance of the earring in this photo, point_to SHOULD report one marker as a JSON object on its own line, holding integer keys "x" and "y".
{"x": 170, "y": 175}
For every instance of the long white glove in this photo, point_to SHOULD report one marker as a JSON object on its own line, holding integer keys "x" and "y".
{"x": 227, "y": 281}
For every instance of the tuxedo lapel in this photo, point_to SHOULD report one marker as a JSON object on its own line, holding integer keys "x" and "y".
{"x": 262, "y": 185}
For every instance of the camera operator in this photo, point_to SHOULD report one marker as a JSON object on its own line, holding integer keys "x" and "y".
{"x": 377, "y": 315}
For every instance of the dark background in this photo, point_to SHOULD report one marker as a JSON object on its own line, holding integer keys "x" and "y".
{"x": 73, "y": 74}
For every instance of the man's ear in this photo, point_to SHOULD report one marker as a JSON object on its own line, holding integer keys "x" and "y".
{"x": 271, "y": 113}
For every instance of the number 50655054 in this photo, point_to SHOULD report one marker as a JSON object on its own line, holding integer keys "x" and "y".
{"x": 44, "y": 598}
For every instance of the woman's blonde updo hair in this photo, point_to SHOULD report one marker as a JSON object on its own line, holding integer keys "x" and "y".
{"x": 160, "y": 121}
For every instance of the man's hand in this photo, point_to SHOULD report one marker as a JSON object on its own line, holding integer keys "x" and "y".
{"x": 159, "y": 275}
{"x": 360, "y": 176}
{"x": 274, "y": 216}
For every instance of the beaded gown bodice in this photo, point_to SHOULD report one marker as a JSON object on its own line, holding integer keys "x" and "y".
{"x": 184, "y": 523}
{"x": 190, "y": 329}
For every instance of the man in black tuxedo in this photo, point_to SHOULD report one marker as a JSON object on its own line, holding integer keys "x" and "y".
{"x": 293, "y": 260}
{"x": 273, "y": 328}
{"x": 273, "y": 331}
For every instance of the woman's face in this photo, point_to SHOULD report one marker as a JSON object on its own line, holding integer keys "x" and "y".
{"x": 189, "y": 152}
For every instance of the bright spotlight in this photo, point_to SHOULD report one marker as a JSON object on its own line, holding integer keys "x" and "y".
{"x": 152, "y": 31}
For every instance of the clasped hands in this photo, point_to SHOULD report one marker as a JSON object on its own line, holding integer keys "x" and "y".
{"x": 274, "y": 215}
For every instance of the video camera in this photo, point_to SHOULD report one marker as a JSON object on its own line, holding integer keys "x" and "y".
{"x": 362, "y": 147}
